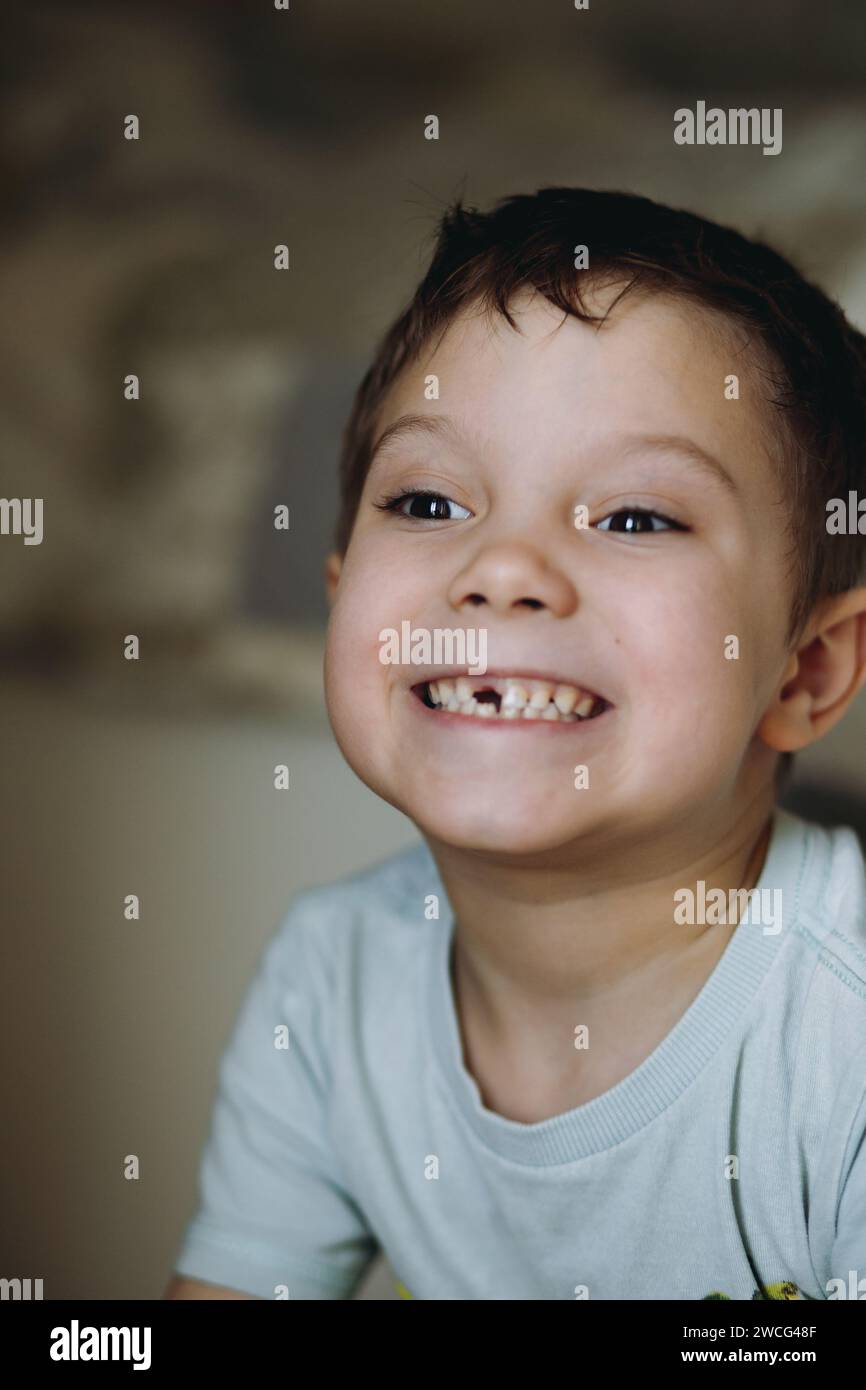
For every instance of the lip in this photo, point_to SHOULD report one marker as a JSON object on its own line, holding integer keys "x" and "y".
{"x": 422, "y": 675}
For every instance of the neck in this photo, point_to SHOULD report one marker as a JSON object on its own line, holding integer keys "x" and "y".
{"x": 597, "y": 930}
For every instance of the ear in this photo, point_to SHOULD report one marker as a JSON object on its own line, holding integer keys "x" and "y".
{"x": 822, "y": 676}
{"x": 333, "y": 567}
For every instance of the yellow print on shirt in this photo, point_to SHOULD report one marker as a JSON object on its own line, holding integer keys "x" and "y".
{"x": 786, "y": 1290}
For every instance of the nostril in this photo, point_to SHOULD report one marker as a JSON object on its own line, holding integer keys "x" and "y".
{"x": 531, "y": 602}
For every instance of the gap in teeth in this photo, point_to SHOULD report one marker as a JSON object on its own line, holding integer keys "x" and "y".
{"x": 516, "y": 698}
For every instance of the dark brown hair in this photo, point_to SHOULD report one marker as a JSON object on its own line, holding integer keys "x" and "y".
{"x": 813, "y": 361}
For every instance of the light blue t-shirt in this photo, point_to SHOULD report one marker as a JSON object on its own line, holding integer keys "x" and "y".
{"x": 730, "y": 1163}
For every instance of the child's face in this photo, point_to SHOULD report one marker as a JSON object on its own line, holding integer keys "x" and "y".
{"x": 545, "y": 422}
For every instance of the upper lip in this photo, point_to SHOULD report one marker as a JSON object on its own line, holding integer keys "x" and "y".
{"x": 437, "y": 673}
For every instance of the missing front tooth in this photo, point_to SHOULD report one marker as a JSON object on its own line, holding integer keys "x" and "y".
{"x": 488, "y": 697}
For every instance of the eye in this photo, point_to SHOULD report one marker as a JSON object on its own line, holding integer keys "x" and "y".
{"x": 425, "y": 506}
{"x": 638, "y": 520}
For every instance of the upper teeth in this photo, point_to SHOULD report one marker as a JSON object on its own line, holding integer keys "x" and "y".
{"x": 520, "y": 698}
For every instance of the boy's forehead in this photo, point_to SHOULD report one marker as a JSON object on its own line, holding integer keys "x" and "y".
{"x": 658, "y": 364}
{"x": 663, "y": 330}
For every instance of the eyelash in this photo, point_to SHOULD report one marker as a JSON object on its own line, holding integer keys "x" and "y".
{"x": 391, "y": 504}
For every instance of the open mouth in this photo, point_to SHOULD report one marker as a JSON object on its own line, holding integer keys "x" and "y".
{"x": 511, "y": 698}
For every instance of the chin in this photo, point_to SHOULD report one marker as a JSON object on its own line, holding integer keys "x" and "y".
{"x": 476, "y": 830}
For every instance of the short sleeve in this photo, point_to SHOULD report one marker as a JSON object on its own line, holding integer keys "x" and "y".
{"x": 849, "y": 1246}
{"x": 273, "y": 1208}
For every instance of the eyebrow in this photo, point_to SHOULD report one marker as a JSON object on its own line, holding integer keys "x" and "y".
{"x": 708, "y": 464}
{"x": 439, "y": 426}
{"x": 442, "y": 427}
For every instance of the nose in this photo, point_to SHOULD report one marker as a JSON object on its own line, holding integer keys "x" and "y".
{"x": 513, "y": 576}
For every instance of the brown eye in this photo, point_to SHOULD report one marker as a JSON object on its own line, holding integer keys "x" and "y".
{"x": 425, "y": 506}
{"x": 638, "y": 521}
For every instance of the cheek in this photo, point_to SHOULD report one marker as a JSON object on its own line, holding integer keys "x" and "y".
{"x": 379, "y": 590}
{"x": 689, "y": 660}
{"x": 353, "y": 673}
{"x": 357, "y": 683}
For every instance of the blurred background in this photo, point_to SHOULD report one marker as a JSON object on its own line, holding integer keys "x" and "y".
{"x": 155, "y": 257}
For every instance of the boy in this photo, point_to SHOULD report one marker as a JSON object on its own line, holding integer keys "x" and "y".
{"x": 603, "y": 1033}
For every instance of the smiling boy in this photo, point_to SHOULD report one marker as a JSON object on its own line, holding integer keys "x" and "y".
{"x": 512, "y": 1066}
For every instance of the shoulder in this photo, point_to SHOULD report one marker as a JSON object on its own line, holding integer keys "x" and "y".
{"x": 823, "y": 1021}
{"x": 339, "y": 947}
{"x": 812, "y": 1009}
{"x": 388, "y": 888}
{"x": 830, "y": 909}
{"x": 356, "y": 913}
